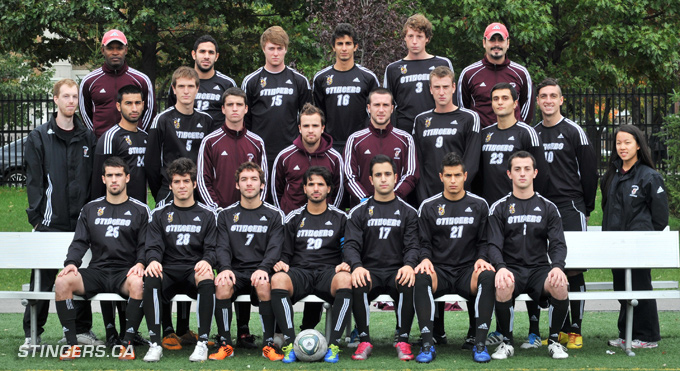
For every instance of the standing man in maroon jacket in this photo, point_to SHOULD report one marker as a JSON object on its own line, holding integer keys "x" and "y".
{"x": 380, "y": 137}
{"x": 477, "y": 79}
{"x": 313, "y": 147}
{"x": 99, "y": 88}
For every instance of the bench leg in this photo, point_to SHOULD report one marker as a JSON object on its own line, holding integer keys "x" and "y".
{"x": 34, "y": 309}
{"x": 629, "y": 314}
{"x": 329, "y": 320}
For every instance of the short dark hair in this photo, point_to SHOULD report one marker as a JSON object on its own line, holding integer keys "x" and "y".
{"x": 504, "y": 85}
{"x": 234, "y": 91}
{"x": 182, "y": 166}
{"x": 206, "y": 39}
{"x": 381, "y": 91}
{"x": 115, "y": 161}
{"x": 548, "y": 82}
{"x": 452, "y": 159}
{"x": 249, "y": 165}
{"x": 308, "y": 110}
{"x": 381, "y": 159}
{"x": 521, "y": 154}
{"x": 321, "y": 171}
{"x": 128, "y": 89}
{"x": 342, "y": 30}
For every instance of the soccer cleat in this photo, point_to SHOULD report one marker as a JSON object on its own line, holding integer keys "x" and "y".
{"x": 504, "y": 351}
{"x": 154, "y": 354}
{"x": 427, "y": 354}
{"x": 557, "y": 350}
{"x": 575, "y": 341}
{"x": 616, "y": 342}
{"x": 140, "y": 341}
{"x": 271, "y": 352}
{"x": 223, "y": 352}
{"x": 494, "y": 338}
{"x": 246, "y": 341}
{"x": 469, "y": 343}
{"x": 127, "y": 353}
{"x": 563, "y": 338}
{"x": 172, "y": 342}
{"x": 533, "y": 341}
{"x": 71, "y": 353}
{"x": 480, "y": 356}
{"x": 88, "y": 338}
{"x": 26, "y": 346}
{"x": 288, "y": 354}
{"x": 639, "y": 344}
{"x": 189, "y": 338}
{"x": 440, "y": 339}
{"x": 363, "y": 351}
{"x": 353, "y": 339}
{"x": 404, "y": 351}
{"x": 332, "y": 355}
{"x": 200, "y": 353}
{"x": 113, "y": 341}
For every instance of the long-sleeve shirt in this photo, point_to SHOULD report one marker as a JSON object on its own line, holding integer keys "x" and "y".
{"x": 314, "y": 241}
{"x": 209, "y": 97}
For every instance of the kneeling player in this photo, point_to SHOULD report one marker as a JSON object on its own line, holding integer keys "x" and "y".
{"x": 114, "y": 228}
{"x": 381, "y": 247}
{"x": 250, "y": 236}
{"x": 311, "y": 262}
{"x": 180, "y": 253}
{"x": 452, "y": 235}
{"x": 524, "y": 230}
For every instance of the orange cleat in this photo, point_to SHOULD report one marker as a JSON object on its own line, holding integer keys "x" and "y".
{"x": 127, "y": 353}
{"x": 71, "y": 353}
{"x": 272, "y": 353}
{"x": 222, "y": 353}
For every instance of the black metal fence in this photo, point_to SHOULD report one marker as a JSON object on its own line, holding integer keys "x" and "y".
{"x": 598, "y": 112}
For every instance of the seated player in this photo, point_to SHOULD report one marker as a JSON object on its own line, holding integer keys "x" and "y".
{"x": 311, "y": 262}
{"x": 113, "y": 227}
{"x": 180, "y": 254}
{"x": 452, "y": 252}
{"x": 250, "y": 236}
{"x": 525, "y": 229}
{"x": 381, "y": 247}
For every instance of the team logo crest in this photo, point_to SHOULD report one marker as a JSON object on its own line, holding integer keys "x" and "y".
{"x": 100, "y": 211}
{"x": 634, "y": 190}
{"x": 442, "y": 209}
{"x": 403, "y": 69}
{"x": 86, "y": 151}
{"x": 176, "y": 122}
{"x": 128, "y": 140}
{"x": 428, "y": 122}
{"x": 251, "y": 157}
{"x": 329, "y": 80}
{"x": 370, "y": 211}
{"x": 512, "y": 208}
{"x": 171, "y": 217}
{"x": 263, "y": 81}
{"x": 236, "y": 217}
{"x": 397, "y": 153}
{"x": 513, "y": 85}
{"x": 488, "y": 138}
{"x": 302, "y": 223}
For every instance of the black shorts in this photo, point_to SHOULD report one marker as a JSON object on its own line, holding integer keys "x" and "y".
{"x": 97, "y": 280}
{"x": 531, "y": 281}
{"x": 243, "y": 286}
{"x": 449, "y": 282}
{"x": 311, "y": 282}
{"x": 178, "y": 279}
{"x": 573, "y": 215}
{"x": 383, "y": 282}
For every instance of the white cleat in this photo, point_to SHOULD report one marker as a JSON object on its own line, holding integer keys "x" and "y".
{"x": 200, "y": 353}
{"x": 504, "y": 351}
{"x": 557, "y": 351}
{"x": 154, "y": 354}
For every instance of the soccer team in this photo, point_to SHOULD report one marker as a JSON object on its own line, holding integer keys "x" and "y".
{"x": 419, "y": 140}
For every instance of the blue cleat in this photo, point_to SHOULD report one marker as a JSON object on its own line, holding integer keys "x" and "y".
{"x": 288, "y": 354}
{"x": 480, "y": 356}
{"x": 332, "y": 354}
{"x": 427, "y": 354}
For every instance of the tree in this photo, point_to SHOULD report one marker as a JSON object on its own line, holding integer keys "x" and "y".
{"x": 18, "y": 78}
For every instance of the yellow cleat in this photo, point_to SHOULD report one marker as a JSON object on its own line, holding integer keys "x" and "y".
{"x": 575, "y": 341}
{"x": 563, "y": 338}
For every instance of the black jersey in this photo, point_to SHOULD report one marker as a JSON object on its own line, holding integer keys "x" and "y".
{"x": 343, "y": 96}
{"x": 525, "y": 233}
{"x": 382, "y": 235}
{"x": 208, "y": 98}
{"x": 274, "y": 100}
{"x": 173, "y": 135}
{"x": 131, "y": 147}
{"x": 497, "y": 147}
{"x": 435, "y": 135}
{"x": 409, "y": 82}
{"x": 249, "y": 239}
{"x": 181, "y": 235}
{"x": 115, "y": 234}
{"x": 572, "y": 162}
{"x": 453, "y": 233}
{"x": 314, "y": 241}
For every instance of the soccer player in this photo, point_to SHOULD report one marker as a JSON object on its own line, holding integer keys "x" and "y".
{"x": 311, "y": 262}
{"x": 524, "y": 231}
{"x": 408, "y": 79}
{"x": 341, "y": 90}
{"x": 444, "y": 129}
{"x": 477, "y": 79}
{"x": 380, "y": 138}
{"x": 114, "y": 229}
{"x": 275, "y": 94}
{"x": 124, "y": 140}
{"x": 58, "y": 156}
{"x": 212, "y": 84}
{"x": 180, "y": 254}
{"x": 98, "y": 89}
{"x": 250, "y": 237}
{"x": 381, "y": 247}
{"x": 176, "y": 132}
{"x": 573, "y": 186}
{"x": 313, "y": 147}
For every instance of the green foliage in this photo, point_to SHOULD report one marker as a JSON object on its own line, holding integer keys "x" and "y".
{"x": 671, "y": 135}
{"x": 18, "y": 77}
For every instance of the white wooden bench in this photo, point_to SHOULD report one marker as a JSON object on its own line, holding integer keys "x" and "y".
{"x": 586, "y": 250}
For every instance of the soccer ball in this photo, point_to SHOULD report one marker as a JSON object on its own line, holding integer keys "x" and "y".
{"x": 310, "y": 346}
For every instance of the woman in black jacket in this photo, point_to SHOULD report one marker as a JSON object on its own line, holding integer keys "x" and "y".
{"x": 634, "y": 199}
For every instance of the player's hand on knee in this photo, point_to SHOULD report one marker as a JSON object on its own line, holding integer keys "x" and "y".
{"x": 557, "y": 278}
{"x": 406, "y": 276}
{"x": 360, "y": 277}
{"x": 225, "y": 277}
{"x": 259, "y": 277}
{"x": 154, "y": 269}
{"x": 281, "y": 266}
{"x": 425, "y": 266}
{"x": 504, "y": 279}
{"x": 203, "y": 268}
{"x": 482, "y": 265}
{"x": 343, "y": 267}
{"x": 136, "y": 270}
{"x": 68, "y": 269}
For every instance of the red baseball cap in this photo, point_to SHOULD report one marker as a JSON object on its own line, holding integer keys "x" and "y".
{"x": 496, "y": 28}
{"x": 114, "y": 35}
